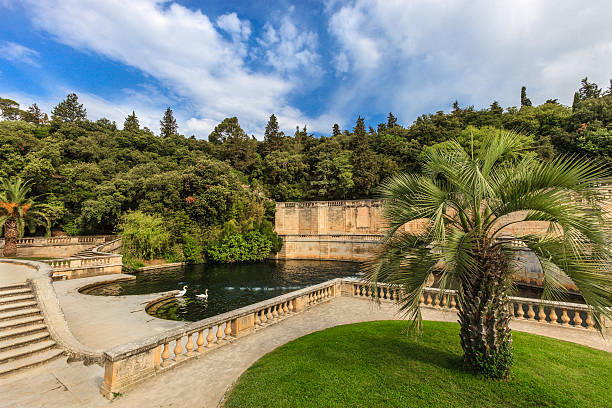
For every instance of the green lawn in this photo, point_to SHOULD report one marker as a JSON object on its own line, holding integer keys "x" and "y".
{"x": 375, "y": 365}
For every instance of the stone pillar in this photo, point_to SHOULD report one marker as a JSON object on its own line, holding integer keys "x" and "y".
{"x": 122, "y": 374}
{"x": 242, "y": 324}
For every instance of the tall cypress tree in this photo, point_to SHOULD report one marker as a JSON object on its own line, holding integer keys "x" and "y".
{"x": 391, "y": 120}
{"x": 168, "y": 124}
{"x": 131, "y": 123}
{"x": 588, "y": 89}
{"x": 525, "y": 101}
{"x": 576, "y": 100}
{"x": 365, "y": 172}
{"x": 273, "y": 138}
{"x": 335, "y": 130}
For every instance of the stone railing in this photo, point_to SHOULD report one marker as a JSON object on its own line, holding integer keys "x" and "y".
{"x": 79, "y": 267}
{"x": 574, "y": 315}
{"x": 131, "y": 363}
{"x": 89, "y": 239}
{"x": 333, "y": 237}
{"x": 108, "y": 248}
{"x": 128, "y": 364}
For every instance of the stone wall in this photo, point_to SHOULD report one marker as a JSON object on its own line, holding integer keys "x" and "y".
{"x": 55, "y": 247}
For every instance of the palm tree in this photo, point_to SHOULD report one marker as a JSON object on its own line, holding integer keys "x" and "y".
{"x": 465, "y": 203}
{"x": 18, "y": 211}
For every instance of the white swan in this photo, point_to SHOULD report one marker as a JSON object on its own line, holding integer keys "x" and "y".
{"x": 203, "y": 295}
{"x": 182, "y": 292}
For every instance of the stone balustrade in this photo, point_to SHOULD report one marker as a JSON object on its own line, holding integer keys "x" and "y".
{"x": 574, "y": 315}
{"x": 129, "y": 364}
{"x": 89, "y": 239}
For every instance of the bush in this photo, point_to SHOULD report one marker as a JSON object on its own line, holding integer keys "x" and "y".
{"x": 144, "y": 236}
{"x": 238, "y": 248}
{"x": 192, "y": 250}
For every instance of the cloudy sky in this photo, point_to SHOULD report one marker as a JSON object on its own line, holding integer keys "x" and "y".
{"x": 311, "y": 63}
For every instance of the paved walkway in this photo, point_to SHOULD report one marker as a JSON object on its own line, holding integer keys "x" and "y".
{"x": 11, "y": 274}
{"x": 200, "y": 382}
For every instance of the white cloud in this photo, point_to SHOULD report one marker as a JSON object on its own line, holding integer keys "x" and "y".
{"x": 14, "y": 52}
{"x": 411, "y": 56}
{"x": 181, "y": 48}
{"x": 288, "y": 48}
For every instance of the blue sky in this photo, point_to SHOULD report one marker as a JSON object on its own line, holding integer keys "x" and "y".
{"x": 310, "y": 62}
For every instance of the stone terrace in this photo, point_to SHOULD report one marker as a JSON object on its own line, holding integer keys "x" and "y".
{"x": 200, "y": 382}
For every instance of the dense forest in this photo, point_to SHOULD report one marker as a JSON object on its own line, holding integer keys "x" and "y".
{"x": 206, "y": 196}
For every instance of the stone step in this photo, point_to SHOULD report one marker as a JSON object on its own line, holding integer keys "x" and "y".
{"x": 25, "y": 351}
{"x": 11, "y": 292}
{"x": 17, "y": 313}
{"x": 23, "y": 321}
{"x": 21, "y": 331}
{"x": 15, "y": 286}
{"x": 15, "y": 298}
{"x": 23, "y": 340}
{"x": 17, "y": 305}
{"x": 30, "y": 361}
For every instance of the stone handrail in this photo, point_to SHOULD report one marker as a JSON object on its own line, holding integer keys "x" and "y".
{"x": 574, "y": 315}
{"x": 41, "y": 282}
{"x": 93, "y": 239}
{"x": 131, "y": 363}
{"x": 108, "y": 248}
{"x": 333, "y": 237}
{"x": 76, "y": 262}
{"x": 301, "y": 204}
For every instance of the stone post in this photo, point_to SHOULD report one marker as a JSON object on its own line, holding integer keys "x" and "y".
{"x": 122, "y": 374}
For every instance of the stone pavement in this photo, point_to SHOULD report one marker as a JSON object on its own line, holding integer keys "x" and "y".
{"x": 200, "y": 382}
{"x": 14, "y": 273}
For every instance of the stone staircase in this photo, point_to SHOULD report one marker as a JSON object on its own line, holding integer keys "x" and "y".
{"x": 86, "y": 253}
{"x": 24, "y": 339}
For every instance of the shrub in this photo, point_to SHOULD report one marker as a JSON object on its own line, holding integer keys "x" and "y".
{"x": 144, "y": 236}
{"x": 192, "y": 250}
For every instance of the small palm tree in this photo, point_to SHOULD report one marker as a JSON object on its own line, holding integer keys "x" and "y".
{"x": 464, "y": 204}
{"x": 18, "y": 211}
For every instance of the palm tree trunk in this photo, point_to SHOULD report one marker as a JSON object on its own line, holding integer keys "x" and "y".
{"x": 10, "y": 237}
{"x": 485, "y": 319}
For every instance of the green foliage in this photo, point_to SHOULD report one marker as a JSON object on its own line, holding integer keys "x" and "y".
{"x": 168, "y": 124}
{"x": 144, "y": 236}
{"x": 252, "y": 246}
{"x": 69, "y": 110}
{"x": 192, "y": 250}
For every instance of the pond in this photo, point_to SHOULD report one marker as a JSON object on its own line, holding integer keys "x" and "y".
{"x": 229, "y": 286}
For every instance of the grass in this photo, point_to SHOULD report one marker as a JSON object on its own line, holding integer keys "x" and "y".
{"x": 376, "y": 364}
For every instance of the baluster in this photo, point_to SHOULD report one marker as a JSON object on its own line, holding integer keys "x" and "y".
{"x": 367, "y": 291}
{"x": 228, "y": 329}
{"x": 589, "y": 321}
{"x": 262, "y": 316}
{"x": 553, "y": 316}
{"x": 178, "y": 350}
{"x": 443, "y": 302}
{"x": 437, "y": 301}
{"x": 256, "y": 321}
{"x": 200, "y": 341}
{"x": 189, "y": 345}
{"x": 453, "y": 303}
{"x": 530, "y": 312}
{"x": 219, "y": 333}
{"x": 274, "y": 312}
{"x": 541, "y": 314}
{"x": 390, "y": 291}
{"x": 290, "y": 306}
{"x": 519, "y": 311}
{"x": 422, "y": 299}
{"x": 285, "y": 308}
{"x": 577, "y": 319}
{"x": 269, "y": 314}
{"x": 166, "y": 356}
{"x": 564, "y": 317}
{"x": 428, "y": 301}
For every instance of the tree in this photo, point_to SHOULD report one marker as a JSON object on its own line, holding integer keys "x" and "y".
{"x": 609, "y": 90}
{"x": 131, "y": 123}
{"x": 34, "y": 115}
{"x": 9, "y": 109}
{"x": 391, "y": 120}
{"x": 168, "y": 124}
{"x": 273, "y": 138}
{"x": 365, "y": 174}
{"x": 335, "y": 130}
{"x": 576, "y": 100}
{"x": 18, "y": 211}
{"x": 525, "y": 101}
{"x": 465, "y": 204}
{"x": 69, "y": 110}
{"x": 496, "y": 109}
{"x": 588, "y": 89}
